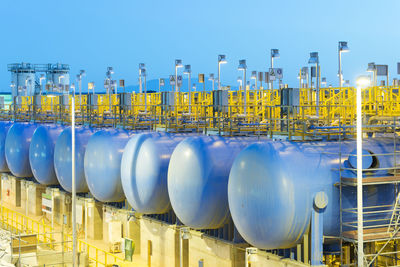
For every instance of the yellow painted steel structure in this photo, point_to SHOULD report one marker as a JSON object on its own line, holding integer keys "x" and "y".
{"x": 252, "y": 111}
{"x": 19, "y": 223}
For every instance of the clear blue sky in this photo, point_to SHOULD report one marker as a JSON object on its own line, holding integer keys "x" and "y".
{"x": 94, "y": 34}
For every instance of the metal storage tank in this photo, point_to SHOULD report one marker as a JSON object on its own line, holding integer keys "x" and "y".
{"x": 17, "y": 148}
{"x": 103, "y": 164}
{"x": 272, "y": 186}
{"x": 4, "y": 126}
{"x": 41, "y": 153}
{"x": 144, "y": 171}
{"x": 63, "y": 158}
{"x": 198, "y": 179}
{"x": 23, "y": 77}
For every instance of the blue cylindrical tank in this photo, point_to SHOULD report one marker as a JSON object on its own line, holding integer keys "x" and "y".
{"x": 144, "y": 170}
{"x": 63, "y": 158}
{"x": 41, "y": 153}
{"x": 272, "y": 186}
{"x": 103, "y": 164}
{"x": 198, "y": 179}
{"x": 17, "y": 148}
{"x": 4, "y": 127}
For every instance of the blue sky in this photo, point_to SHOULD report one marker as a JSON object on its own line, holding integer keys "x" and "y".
{"x": 94, "y": 34}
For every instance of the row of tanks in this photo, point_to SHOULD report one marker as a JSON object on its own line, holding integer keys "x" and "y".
{"x": 266, "y": 187}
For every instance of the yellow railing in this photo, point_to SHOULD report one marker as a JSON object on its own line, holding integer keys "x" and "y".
{"x": 18, "y": 222}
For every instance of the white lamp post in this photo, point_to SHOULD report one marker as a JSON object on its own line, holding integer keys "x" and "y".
{"x": 254, "y": 77}
{"x": 74, "y": 235}
{"x": 178, "y": 64}
{"x": 79, "y": 78}
{"x": 342, "y": 47}
{"x": 142, "y": 67}
{"x": 314, "y": 59}
{"x": 211, "y": 78}
{"x": 188, "y": 71}
{"x": 372, "y": 68}
{"x": 221, "y": 60}
{"x": 242, "y": 66}
{"x": 239, "y": 80}
{"x": 274, "y": 54}
{"x": 362, "y": 82}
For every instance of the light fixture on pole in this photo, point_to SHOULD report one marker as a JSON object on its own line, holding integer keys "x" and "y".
{"x": 109, "y": 73}
{"x": 239, "y": 80}
{"x": 79, "y": 78}
{"x": 372, "y": 68}
{"x": 144, "y": 75}
{"x": 342, "y": 48}
{"x": 188, "y": 71}
{"x": 161, "y": 83}
{"x": 274, "y": 54}
{"x": 221, "y": 60}
{"x": 362, "y": 82}
{"x": 178, "y": 64}
{"x": 243, "y": 67}
{"x": 74, "y": 230}
{"x": 142, "y": 67}
{"x": 212, "y": 79}
{"x": 323, "y": 82}
{"x": 314, "y": 59}
{"x": 254, "y": 77}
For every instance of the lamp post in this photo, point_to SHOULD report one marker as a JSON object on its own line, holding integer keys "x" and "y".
{"x": 211, "y": 78}
{"x": 274, "y": 54}
{"x": 144, "y": 75}
{"x": 161, "y": 83}
{"x": 342, "y": 47}
{"x": 239, "y": 80}
{"x": 254, "y": 77}
{"x": 323, "y": 82}
{"x": 109, "y": 73}
{"x": 142, "y": 66}
{"x": 221, "y": 60}
{"x": 79, "y": 78}
{"x": 242, "y": 66}
{"x": 188, "y": 71}
{"x": 178, "y": 64}
{"x": 372, "y": 68}
{"x": 74, "y": 235}
{"x": 314, "y": 59}
{"x": 362, "y": 82}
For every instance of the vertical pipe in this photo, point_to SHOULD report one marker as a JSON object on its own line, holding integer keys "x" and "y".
{"x": 176, "y": 79}
{"x": 245, "y": 91}
{"x": 219, "y": 75}
{"x": 340, "y": 67}
{"x": 145, "y": 95}
{"x": 359, "y": 181}
{"x": 190, "y": 90}
{"x": 74, "y": 252}
{"x": 270, "y": 80}
{"x": 180, "y": 248}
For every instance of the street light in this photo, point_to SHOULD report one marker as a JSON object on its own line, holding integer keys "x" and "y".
{"x": 239, "y": 80}
{"x": 178, "y": 64}
{"x": 274, "y": 54}
{"x": 211, "y": 78}
{"x": 144, "y": 75}
{"x": 372, "y": 68}
{"x": 254, "y": 77}
{"x": 79, "y": 78}
{"x": 323, "y": 82}
{"x": 342, "y": 47}
{"x": 188, "y": 71}
{"x": 221, "y": 60}
{"x": 142, "y": 67}
{"x": 161, "y": 83}
{"x": 242, "y": 66}
{"x": 361, "y": 82}
{"x": 314, "y": 59}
